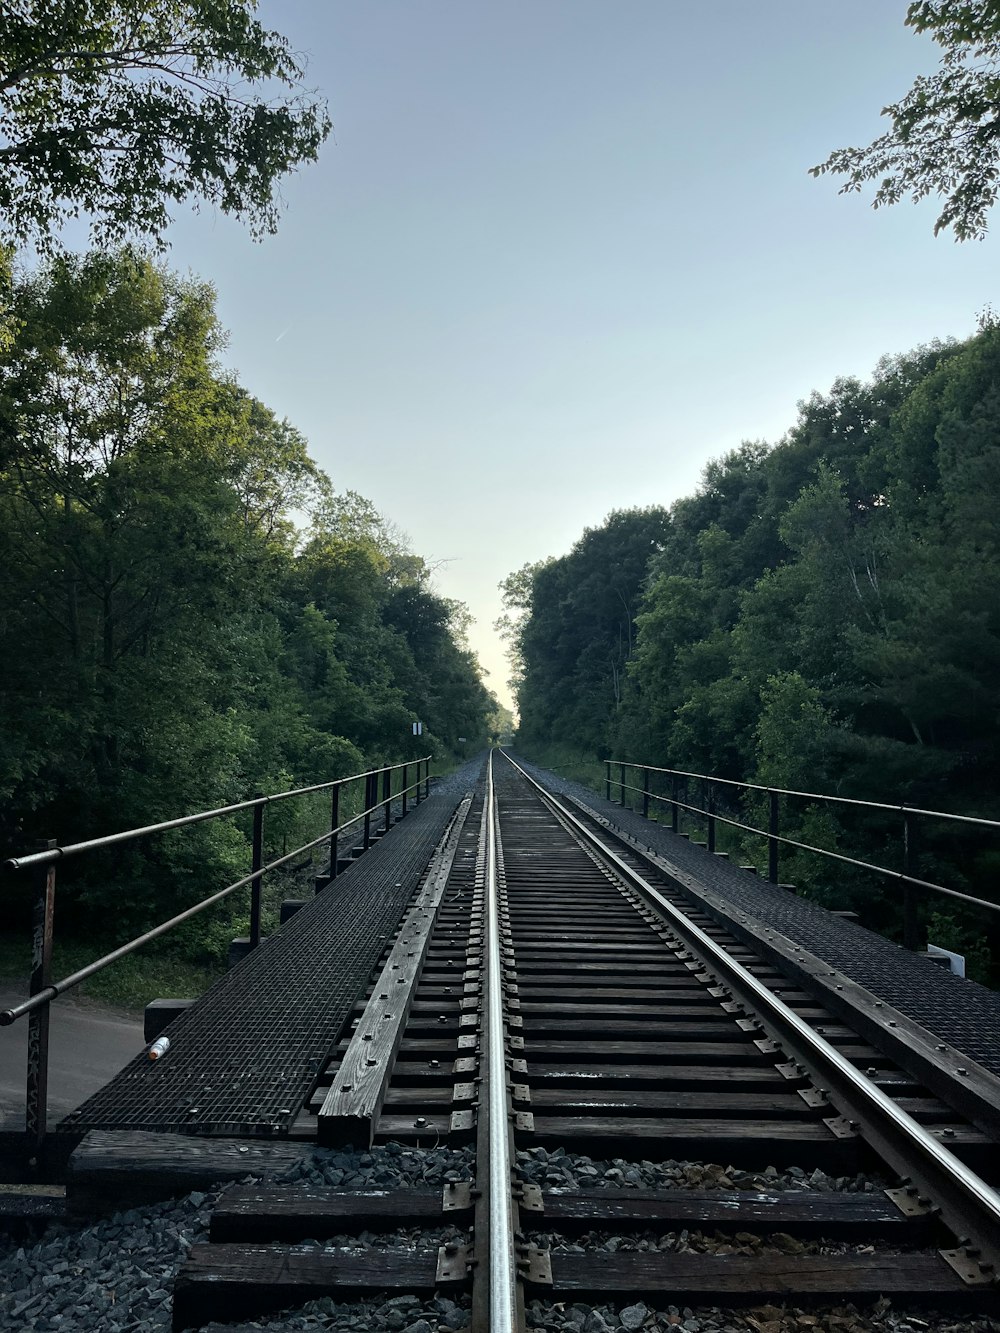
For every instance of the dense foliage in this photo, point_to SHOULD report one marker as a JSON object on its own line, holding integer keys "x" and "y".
{"x": 821, "y": 615}
{"x": 945, "y": 135}
{"x": 171, "y": 640}
{"x": 120, "y": 109}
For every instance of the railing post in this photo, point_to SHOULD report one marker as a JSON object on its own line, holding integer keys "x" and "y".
{"x": 418, "y": 782}
{"x": 257, "y": 860}
{"x": 334, "y": 825}
{"x": 427, "y": 782}
{"x": 36, "y": 1108}
{"x": 772, "y": 836}
{"x": 386, "y": 796}
{"x": 911, "y": 924}
{"x": 674, "y": 812}
{"x": 607, "y": 780}
{"x": 645, "y": 793}
{"x": 405, "y": 776}
{"x": 368, "y": 811}
{"x": 710, "y": 804}
{"x": 621, "y": 781}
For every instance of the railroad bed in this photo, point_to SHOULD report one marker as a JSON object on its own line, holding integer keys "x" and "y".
{"x": 571, "y": 1099}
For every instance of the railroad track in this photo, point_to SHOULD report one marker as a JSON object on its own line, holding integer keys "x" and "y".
{"x": 646, "y": 1113}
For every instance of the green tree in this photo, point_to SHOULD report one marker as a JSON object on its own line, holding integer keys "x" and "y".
{"x": 121, "y": 109}
{"x": 945, "y": 135}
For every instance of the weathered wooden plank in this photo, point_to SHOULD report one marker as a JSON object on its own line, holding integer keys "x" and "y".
{"x": 807, "y": 1213}
{"x": 353, "y": 1103}
{"x": 296, "y": 1212}
{"x": 128, "y": 1164}
{"x": 238, "y": 1281}
{"x": 705, "y": 1278}
{"x": 712, "y": 1102}
{"x": 745, "y": 1143}
{"x": 545, "y": 1074}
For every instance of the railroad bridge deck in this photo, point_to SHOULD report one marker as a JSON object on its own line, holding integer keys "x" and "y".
{"x": 245, "y": 1057}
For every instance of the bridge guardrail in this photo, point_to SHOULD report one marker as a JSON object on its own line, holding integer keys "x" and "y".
{"x": 42, "y": 990}
{"x": 708, "y": 810}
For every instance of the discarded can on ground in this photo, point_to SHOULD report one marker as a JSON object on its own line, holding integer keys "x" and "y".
{"x": 159, "y": 1047}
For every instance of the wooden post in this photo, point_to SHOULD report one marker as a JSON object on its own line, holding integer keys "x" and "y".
{"x": 257, "y": 860}
{"x": 36, "y": 1108}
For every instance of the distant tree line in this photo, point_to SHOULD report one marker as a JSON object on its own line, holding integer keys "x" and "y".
{"x": 189, "y": 612}
{"x": 823, "y": 614}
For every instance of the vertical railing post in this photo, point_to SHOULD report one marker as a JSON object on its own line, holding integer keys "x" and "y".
{"x": 645, "y": 793}
{"x": 405, "y": 778}
{"x": 674, "y": 812}
{"x": 710, "y": 805}
{"x": 36, "y": 1108}
{"x": 621, "y": 784}
{"x": 418, "y": 782}
{"x": 911, "y": 924}
{"x": 256, "y": 861}
{"x": 368, "y": 811}
{"x": 772, "y": 836}
{"x": 607, "y": 779}
{"x": 427, "y": 782}
{"x": 386, "y": 796}
{"x": 334, "y": 826}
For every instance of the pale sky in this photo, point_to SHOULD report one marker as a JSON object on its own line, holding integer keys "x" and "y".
{"x": 560, "y": 253}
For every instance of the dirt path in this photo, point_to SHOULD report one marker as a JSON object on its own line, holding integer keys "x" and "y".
{"x": 88, "y": 1043}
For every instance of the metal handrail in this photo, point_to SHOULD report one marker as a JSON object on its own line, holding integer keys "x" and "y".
{"x": 43, "y": 990}
{"x": 903, "y": 809}
{"x": 910, "y": 882}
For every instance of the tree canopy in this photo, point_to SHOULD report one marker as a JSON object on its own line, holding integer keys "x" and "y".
{"x": 189, "y": 612}
{"x": 945, "y": 135}
{"x": 121, "y": 109}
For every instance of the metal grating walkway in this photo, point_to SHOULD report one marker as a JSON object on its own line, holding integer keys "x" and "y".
{"x": 961, "y": 1012}
{"x": 244, "y": 1057}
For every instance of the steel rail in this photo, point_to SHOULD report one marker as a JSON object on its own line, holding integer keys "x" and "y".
{"x": 502, "y": 1258}
{"x": 969, "y": 1206}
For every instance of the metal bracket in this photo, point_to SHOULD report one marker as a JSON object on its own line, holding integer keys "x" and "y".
{"x": 453, "y": 1263}
{"x": 909, "y": 1204}
{"x": 465, "y": 1064}
{"x": 525, "y": 1121}
{"x": 968, "y": 1266}
{"x": 468, "y": 1042}
{"x": 457, "y": 1196}
{"x": 515, "y": 1021}
{"x": 534, "y": 1265}
{"x": 839, "y": 1127}
{"x": 520, "y": 1092}
{"x": 747, "y": 1024}
{"x": 767, "y": 1047}
{"x": 790, "y": 1070}
{"x": 530, "y": 1198}
{"x": 464, "y": 1092}
{"x": 813, "y": 1097}
{"x": 518, "y": 1066}
{"x": 462, "y": 1122}
{"x": 470, "y": 1002}
{"x": 469, "y": 1021}
{"x": 515, "y": 1043}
